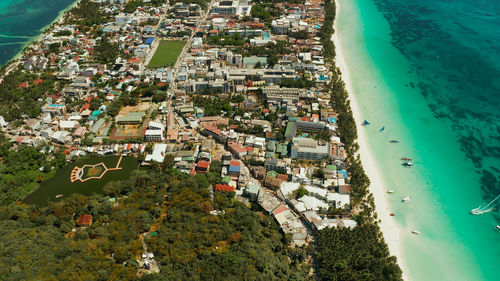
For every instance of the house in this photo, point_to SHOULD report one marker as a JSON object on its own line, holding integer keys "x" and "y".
{"x": 252, "y": 191}
{"x": 202, "y": 166}
{"x": 273, "y": 182}
{"x": 84, "y": 220}
{"x": 213, "y": 132}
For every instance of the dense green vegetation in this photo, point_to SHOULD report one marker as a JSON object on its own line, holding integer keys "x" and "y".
{"x": 134, "y": 4}
{"x": 355, "y": 255}
{"x": 86, "y": 13}
{"x": 167, "y": 53}
{"x": 16, "y": 100}
{"x": 264, "y": 11}
{"x": 191, "y": 243}
{"x": 22, "y": 169}
{"x": 227, "y": 40}
{"x": 106, "y": 52}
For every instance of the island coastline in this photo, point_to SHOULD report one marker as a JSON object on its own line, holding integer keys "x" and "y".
{"x": 387, "y": 225}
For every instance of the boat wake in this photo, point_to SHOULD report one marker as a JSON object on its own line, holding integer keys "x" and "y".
{"x": 485, "y": 208}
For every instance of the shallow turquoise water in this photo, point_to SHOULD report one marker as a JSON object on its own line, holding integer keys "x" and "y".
{"x": 21, "y": 20}
{"x": 429, "y": 72}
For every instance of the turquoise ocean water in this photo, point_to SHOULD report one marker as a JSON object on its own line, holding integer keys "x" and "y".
{"x": 429, "y": 71}
{"x": 23, "y": 20}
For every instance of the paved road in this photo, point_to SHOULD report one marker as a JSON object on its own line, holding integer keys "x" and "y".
{"x": 180, "y": 59}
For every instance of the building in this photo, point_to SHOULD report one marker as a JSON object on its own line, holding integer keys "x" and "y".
{"x": 133, "y": 118}
{"x": 309, "y": 149}
{"x": 153, "y": 135}
{"x": 54, "y": 109}
{"x": 213, "y": 132}
{"x": 275, "y": 165}
{"x": 203, "y": 166}
{"x": 275, "y": 94}
{"x": 158, "y": 154}
{"x": 232, "y": 8}
{"x": 84, "y": 220}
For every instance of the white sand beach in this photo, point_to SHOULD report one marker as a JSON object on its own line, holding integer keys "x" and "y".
{"x": 377, "y": 187}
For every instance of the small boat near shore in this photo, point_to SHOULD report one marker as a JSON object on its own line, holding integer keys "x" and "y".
{"x": 59, "y": 196}
{"x": 392, "y": 214}
{"x": 414, "y": 231}
{"x": 406, "y": 159}
{"x": 498, "y": 227}
{"x": 406, "y": 199}
{"x": 394, "y": 141}
{"x": 407, "y": 164}
{"x": 390, "y": 191}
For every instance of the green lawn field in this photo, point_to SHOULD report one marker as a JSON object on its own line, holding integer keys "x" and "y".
{"x": 167, "y": 53}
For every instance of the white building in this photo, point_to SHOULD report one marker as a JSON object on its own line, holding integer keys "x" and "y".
{"x": 158, "y": 154}
{"x": 239, "y": 8}
{"x": 309, "y": 149}
{"x": 153, "y": 135}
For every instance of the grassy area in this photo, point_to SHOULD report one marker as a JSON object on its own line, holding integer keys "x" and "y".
{"x": 167, "y": 53}
{"x": 60, "y": 183}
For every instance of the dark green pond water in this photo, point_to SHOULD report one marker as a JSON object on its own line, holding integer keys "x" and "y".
{"x": 61, "y": 183}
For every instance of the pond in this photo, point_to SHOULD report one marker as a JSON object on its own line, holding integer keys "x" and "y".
{"x": 85, "y": 176}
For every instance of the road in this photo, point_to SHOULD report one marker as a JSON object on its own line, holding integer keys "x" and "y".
{"x": 180, "y": 59}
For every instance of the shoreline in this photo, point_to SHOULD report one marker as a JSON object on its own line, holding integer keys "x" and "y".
{"x": 387, "y": 224}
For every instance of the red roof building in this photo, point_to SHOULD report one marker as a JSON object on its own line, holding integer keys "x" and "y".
{"x": 85, "y": 219}
{"x": 38, "y": 81}
{"x": 280, "y": 209}
{"x": 224, "y": 187}
{"x": 202, "y": 166}
{"x": 282, "y": 177}
{"x": 234, "y": 163}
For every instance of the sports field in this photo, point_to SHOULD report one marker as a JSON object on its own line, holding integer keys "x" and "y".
{"x": 167, "y": 53}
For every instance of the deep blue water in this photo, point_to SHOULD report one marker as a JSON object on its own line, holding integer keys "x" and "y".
{"x": 454, "y": 47}
{"x": 21, "y": 20}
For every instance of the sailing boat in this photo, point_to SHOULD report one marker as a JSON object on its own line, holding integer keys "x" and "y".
{"x": 485, "y": 208}
{"x": 365, "y": 123}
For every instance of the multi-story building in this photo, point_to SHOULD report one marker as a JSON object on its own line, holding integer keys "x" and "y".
{"x": 309, "y": 149}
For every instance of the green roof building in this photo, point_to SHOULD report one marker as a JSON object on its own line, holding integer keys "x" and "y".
{"x": 282, "y": 149}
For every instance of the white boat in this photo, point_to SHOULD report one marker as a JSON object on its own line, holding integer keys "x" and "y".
{"x": 407, "y": 198}
{"x": 498, "y": 227}
{"x": 415, "y": 231}
{"x": 407, "y": 164}
{"x": 390, "y": 191}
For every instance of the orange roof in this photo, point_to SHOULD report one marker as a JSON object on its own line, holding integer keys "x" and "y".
{"x": 283, "y": 177}
{"x": 224, "y": 187}
{"x": 280, "y": 209}
{"x": 85, "y": 219}
{"x": 38, "y": 81}
{"x": 203, "y": 164}
{"x": 234, "y": 163}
